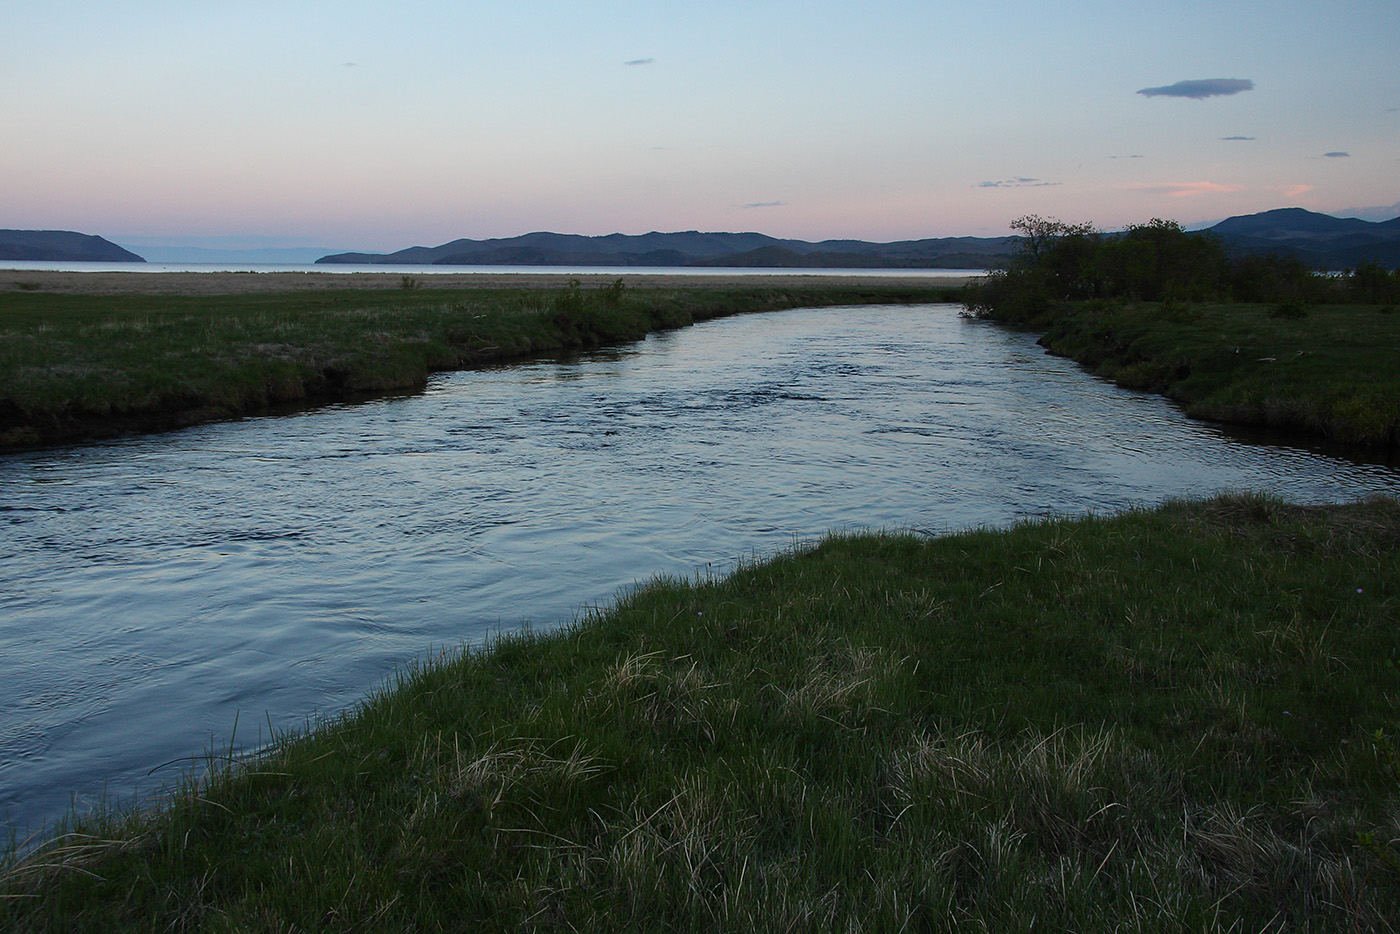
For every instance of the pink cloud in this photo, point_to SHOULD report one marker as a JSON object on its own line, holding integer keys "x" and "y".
{"x": 1186, "y": 189}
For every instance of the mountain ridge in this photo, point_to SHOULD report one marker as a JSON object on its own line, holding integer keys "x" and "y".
{"x": 1320, "y": 240}
{"x": 695, "y": 248}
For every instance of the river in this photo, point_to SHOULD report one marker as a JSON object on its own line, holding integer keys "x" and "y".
{"x": 155, "y": 591}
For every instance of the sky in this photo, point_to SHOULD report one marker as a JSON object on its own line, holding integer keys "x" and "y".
{"x": 376, "y": 126}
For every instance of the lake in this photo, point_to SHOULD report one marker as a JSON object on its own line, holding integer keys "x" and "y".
{"x": 155, "y": 591}
{"x": 700, "y": 272}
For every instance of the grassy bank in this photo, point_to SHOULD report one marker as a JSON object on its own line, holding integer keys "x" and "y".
{"x": 80, "y": 366}
{"x": 1158, "y": 721}
{"x": 1249, "y": 340}
{"x": 1324, "y": 370}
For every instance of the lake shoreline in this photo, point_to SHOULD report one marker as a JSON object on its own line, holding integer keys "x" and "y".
{"x": 137, "y": 282}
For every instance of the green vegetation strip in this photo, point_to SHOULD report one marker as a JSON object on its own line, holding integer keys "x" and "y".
{"x": 1164, "y": 720}
{"x": 77, "y": 366}
{"x": 1330, "y": 372}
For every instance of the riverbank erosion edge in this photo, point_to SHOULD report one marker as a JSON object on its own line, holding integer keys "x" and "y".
{"x": 81, "y": 365}
{"x": 1172, "y": 714}
{"x": 1324, "y": 371}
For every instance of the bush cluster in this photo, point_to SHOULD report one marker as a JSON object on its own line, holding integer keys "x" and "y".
{"x": 1373, "y": 284}
{"x": 1156, "y": 262}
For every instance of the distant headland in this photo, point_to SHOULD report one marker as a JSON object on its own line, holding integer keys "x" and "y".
{"x": 62, "y": 246}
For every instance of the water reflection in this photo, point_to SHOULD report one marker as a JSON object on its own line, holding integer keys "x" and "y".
{"x": 155, "y": 588}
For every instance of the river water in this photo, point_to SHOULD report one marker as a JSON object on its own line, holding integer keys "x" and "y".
{"x": 154, "y": 591}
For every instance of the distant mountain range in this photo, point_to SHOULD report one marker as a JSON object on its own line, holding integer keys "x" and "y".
{"x": 1320, "y": 240}
{"x": 693, "y": 248}
{"x": 62, "y": 246}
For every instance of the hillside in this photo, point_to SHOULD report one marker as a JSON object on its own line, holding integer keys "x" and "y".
{"x": 1320, "y": 240}
{"x": 693, "y": 248}
{"x": 61, "y": 246}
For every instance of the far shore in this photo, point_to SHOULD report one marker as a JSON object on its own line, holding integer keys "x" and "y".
{"x": 241, "y": 283}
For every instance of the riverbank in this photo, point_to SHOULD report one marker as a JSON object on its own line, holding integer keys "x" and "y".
{"x": 164, "y": 350}
{"x": 1321, "y": 371}
{"x": 1255, "y": 340}
{"x": 1163, "y": 719}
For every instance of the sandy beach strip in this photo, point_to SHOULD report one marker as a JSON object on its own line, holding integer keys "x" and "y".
{"x": 242, "y": 283}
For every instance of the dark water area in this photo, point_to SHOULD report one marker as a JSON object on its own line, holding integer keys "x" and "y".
{"x": 156, "y": 590}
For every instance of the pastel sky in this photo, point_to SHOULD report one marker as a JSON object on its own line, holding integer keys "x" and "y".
{"x": 376, "y": 126}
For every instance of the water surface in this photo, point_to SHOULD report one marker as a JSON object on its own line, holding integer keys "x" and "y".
{"x": 271, "y": 570}
{"x": 697, "y": 272}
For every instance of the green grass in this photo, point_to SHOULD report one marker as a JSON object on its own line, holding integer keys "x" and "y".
{"x": 1159, "y": 721}
{"x": 1330, "y": 372}
{"x": 78, "y": 366}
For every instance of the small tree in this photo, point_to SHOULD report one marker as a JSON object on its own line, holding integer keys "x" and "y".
{"x": 1041, "y": 233}
{"x": 1061, "y": 257}
{"x": 1056, "y": 262}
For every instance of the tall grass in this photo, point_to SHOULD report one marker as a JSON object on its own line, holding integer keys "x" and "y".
{"x": 1159, "y": 721}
